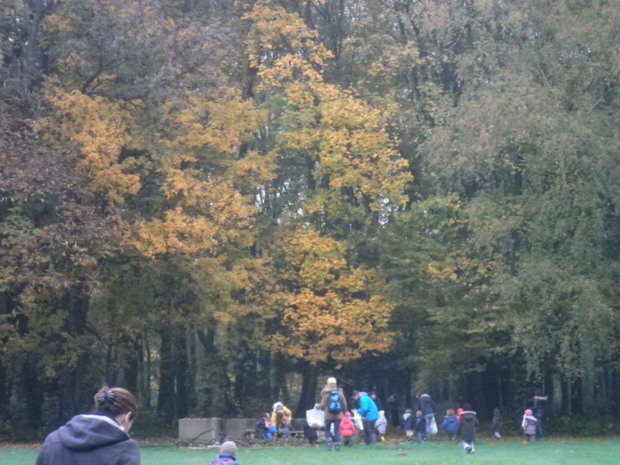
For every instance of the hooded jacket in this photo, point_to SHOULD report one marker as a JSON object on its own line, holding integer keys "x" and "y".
{"x": 466, "y": 430}
{"x": 89, "y": 440}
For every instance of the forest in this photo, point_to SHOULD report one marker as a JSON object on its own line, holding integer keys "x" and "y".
{"x": 219, "y": 203}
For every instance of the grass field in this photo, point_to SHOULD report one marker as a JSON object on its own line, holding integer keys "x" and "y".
{"x": 510, "y": 452}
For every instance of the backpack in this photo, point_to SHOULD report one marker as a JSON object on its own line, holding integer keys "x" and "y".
{"x": 334, "y": 405}
{"x": 222, "y": 462}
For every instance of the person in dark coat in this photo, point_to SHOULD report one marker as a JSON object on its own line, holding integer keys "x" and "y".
{"x": 539, "y": 407}
{"x": 100, "y": 438}
{"x": 428, "y": 407}
{"x": 466, "y": 430}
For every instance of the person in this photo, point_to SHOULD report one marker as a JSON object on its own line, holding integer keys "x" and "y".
{"x": 373, "y": 395}
{"x": 281, "y": 418}
{"x": 393, "y": 406}
{"x": 458, "y": 413}
{"x": 381, "y": 426}
{"x": 347, "y": 429}
{"x": 539, "y": 407}
{"x": 263, "y": 426}
{"x": 450, "y": 424}
{"x": 408, "y": 424}
{"x": 228, "y": 454}
{"x": 311, "y": 434}
{"x": 333, "y": 403}
{"x": 428, "y": 410}
{"x": 528, "y": 424}
{"x": 466, "y": 431}
{"x": 497, "y": 423}
{"x": 368, "y": 410}
{"x": 420, "y": 426}
{"x": 100, "y": 438}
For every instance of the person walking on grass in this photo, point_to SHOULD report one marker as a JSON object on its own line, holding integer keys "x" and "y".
{"x": 450, "y": 424}
{"x": 529, "y": 424}
{"x": 334, "y": 404}
{"x": 100, "y": 438}
{"x": 428, "y": 407}
{"x": 466, "y": 430}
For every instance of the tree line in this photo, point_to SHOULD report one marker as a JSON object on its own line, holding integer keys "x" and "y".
{"x": 217, "y": 203}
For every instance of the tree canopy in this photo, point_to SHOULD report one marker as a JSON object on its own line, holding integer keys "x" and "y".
{"x": 215, "y": 203}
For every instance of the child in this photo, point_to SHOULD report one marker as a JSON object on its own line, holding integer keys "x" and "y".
{"x": 381, "y": 426}
{"x": 311, "y": 434}
{"x": 347, "y": 429}
{"x": 497, "y": 423}
{"x": 420, "y": 426}
{"x": 458, "y": 413}
{"x": 228, "y": 453}
{"x": 409, "y": 424}
{"x": 466, "y": 430}
{"x": 449, "y": 424}
{"x": 262, "y": 426}
{"x": 529, "y": 424}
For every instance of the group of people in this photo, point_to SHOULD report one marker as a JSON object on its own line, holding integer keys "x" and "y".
{"x": 103, "y": 436}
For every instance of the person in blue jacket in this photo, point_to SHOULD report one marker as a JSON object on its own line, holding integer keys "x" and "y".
{"x": 370, "y": 414}
{"x": 100, "y": 438}
{"x": 450, "y": 424}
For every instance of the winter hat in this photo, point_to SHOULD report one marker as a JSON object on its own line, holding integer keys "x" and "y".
{"x": 228, "y": 447}
{"x": 528, "y": 412}
{"x": 331, "y": 380}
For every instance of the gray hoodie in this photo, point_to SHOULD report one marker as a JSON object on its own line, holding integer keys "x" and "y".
{"x": 89, "y": 440}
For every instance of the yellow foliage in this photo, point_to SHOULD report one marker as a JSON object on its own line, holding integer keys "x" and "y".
{"x": 100, "y": 130}
{"x": 331, "y": 311}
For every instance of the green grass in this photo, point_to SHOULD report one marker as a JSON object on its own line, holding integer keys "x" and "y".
{"x": 510, "y": 452}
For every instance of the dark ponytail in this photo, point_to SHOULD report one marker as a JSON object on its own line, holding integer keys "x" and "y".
{"x": 116, "y": 401}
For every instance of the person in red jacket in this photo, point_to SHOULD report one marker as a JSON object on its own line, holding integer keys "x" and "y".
{"x": 347, "y": 429}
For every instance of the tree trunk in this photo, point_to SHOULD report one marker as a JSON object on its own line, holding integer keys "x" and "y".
{"x": 308, "y": 398}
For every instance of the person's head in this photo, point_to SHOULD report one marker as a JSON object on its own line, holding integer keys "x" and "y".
{"x": 466, "y": 406}
{"x": 408, "y": 410}
{"x": 450, "y": 412}
{"x": 528, "y": 412}
{"x": 119, "y": 404}
{"x": 418, "y": 413}
{"x": 228, "y": 448}
{"x": 496, "y": 411}
{"x": 348, "y": 414}
{"x": 331, "y": 382}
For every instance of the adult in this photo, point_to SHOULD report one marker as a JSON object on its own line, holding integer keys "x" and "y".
{"x": 334, "y": 404}
{"x": 375, "y": 398}
{"x": 394, "y": 408}
{"x": 100, "y": 438}
{"x": 428, "y": 407}
{"x": 281, "y": 417}
{"x": 539, "y": 408}
{"x": 369, "y": 412}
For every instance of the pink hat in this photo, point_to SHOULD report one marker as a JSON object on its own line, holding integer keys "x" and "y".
{"x": 528, "y": 412}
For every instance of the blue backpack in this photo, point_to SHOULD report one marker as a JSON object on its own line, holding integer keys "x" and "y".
{"x": 334, "y": 405}
{"x": 222, "y": 461}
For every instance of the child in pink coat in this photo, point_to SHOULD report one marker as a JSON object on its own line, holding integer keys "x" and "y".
{"x": 347, "y": 429}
